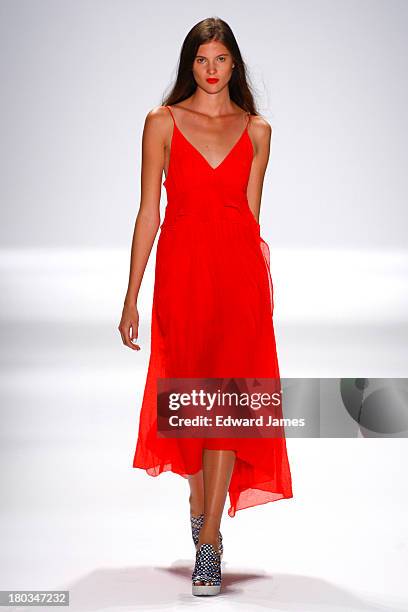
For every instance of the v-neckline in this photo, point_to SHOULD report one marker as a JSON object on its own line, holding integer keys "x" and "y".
{"x": 234, "y": 146}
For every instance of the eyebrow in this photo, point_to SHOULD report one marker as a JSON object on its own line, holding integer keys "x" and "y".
{"x": 215, "y": 56}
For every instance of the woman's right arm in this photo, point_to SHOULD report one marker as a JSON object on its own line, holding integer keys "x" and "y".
{"x": 147, "y": 220}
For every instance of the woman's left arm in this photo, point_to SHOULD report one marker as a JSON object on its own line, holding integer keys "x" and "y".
{"x": 260, "y": 133}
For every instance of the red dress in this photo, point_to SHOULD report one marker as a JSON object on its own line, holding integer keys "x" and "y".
{"x": 212, "y": 314}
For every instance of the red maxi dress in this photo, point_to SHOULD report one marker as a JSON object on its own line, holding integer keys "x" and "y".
{"x": 212, "y": 314}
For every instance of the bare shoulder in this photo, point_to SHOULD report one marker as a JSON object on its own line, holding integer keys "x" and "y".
{"x": 158, "y": 121}
{"x": 157, "y": 113}
{"x": 260, "y": 127}
{"x": 261, "y": 133}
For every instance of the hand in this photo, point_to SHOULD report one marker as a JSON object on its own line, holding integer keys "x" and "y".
{"x": 129, "y": 326}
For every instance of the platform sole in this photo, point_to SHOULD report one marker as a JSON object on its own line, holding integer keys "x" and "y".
{"x": 205, "y": 589}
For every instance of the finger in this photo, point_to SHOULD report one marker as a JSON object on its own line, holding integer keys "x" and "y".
{"x": 125, "y": 341}
{"x": 123, "y": 337}
{"x": 134, "y": 335}
{"x": 128, "y": 339}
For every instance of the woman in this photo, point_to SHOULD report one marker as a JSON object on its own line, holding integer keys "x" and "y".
{"x": 213, "y": 300}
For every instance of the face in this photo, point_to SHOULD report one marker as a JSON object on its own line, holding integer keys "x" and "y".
{"x": 212, "y": 66}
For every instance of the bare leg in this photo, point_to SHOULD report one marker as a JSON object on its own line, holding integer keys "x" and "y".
{"x": 196, "y": 498}
{"x": 217, "y": 470}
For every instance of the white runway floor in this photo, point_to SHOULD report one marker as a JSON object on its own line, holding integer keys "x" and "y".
{"x": 76, "y": 515}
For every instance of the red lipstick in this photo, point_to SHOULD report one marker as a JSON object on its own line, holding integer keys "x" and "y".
{"x": 212, "y": 80}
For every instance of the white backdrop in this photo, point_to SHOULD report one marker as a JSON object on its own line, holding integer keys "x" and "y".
{"x": 78, "y": 79}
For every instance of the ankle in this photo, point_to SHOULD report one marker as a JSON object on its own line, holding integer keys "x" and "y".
{"x": 209, "y": 536}
{"x": 196, "y": 508}
{"x": 214, "y": 540}
{"x": 195, "y": 513}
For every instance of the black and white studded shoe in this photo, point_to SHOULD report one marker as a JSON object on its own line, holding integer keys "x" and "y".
{"x": 207, "y": 569}
{"x": 196, "y": 524}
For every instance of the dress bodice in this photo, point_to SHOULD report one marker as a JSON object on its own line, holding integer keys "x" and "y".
{"x": 197, "y": 190}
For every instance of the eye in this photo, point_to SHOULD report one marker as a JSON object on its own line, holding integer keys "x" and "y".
{"x": 222, "y": 58}
{"x": 200, "y": 60}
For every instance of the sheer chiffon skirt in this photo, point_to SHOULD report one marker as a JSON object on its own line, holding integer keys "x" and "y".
{"x": 212, "y": 317}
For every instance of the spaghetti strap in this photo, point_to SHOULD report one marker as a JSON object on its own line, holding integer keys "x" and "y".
{"x": 171, "y": 113}
{"x": 174, "y": 120}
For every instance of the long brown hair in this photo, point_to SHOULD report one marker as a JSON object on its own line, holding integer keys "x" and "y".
{"x": 205, "y": 31}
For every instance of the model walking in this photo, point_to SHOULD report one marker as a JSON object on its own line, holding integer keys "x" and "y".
{"x": 213, "y": 295}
